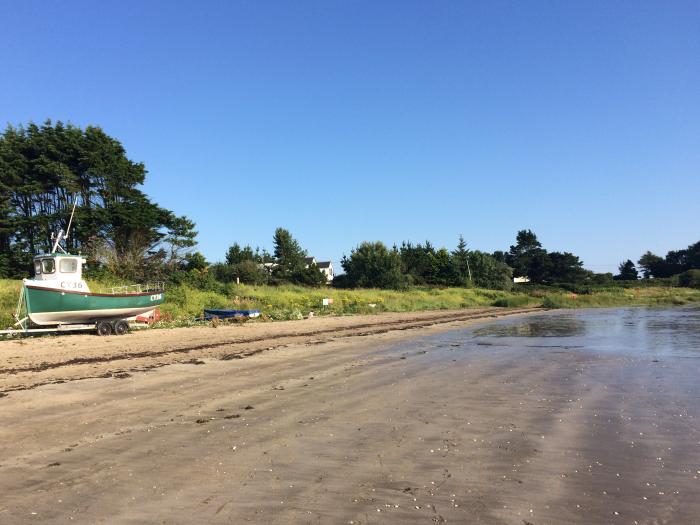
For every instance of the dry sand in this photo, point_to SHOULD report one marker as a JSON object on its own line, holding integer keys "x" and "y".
{"x": 348, "y": 420}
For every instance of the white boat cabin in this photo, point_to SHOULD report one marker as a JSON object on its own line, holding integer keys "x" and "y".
{"x": 60, "y": 271}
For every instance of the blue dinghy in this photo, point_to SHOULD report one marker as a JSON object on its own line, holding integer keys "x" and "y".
{"x": 231, "y": 314}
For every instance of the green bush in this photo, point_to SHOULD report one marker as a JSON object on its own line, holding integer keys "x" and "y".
{"x": 248, "y": 272}
{"x": 516, "y": 301}
{"x": 553, "y": 301}
{"x": 689, "y": 279}
{"x": 199, "y": 279}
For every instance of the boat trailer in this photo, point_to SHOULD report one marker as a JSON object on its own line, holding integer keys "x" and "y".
{"x": 116, "y": 326}
{"x": 101, "y": 327}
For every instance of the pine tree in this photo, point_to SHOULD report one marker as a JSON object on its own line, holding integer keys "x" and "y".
{"x": 288, "y": 253}
{"x": 460, "y": 257}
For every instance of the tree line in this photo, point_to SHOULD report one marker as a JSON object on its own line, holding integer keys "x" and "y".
{"x": 45, "y": 169}
{"x": 682, "y": 266}
{"x": 286, "y": 264}
{"x": 374, "y": 265}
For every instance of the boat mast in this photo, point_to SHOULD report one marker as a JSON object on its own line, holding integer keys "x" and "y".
{"x": 62, "y": 235}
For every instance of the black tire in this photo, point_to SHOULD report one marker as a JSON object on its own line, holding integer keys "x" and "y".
{"x": 121, "y": 327}
{"x": 104, "y": 328}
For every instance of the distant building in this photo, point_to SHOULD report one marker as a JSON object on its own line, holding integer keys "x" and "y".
{"x": 326, "y": 268}
{"x": 525, "y": 279}
{"x": 268, "y": 267}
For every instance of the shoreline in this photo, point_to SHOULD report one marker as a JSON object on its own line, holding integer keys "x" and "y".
{"x": 421, "y": 425}
{"x": 277, "y": 303}
{"x": 31, "y": 362}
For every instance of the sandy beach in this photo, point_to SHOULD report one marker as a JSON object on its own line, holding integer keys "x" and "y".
{"x": 27, "y": 363}
{"x": 376, "y": 419}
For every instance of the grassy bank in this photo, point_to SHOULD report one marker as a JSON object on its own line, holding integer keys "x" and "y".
{"x": 295, "y": 302}
{"x": 183, "y": 303}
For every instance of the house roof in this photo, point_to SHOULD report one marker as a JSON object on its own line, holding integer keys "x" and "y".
{"x": 309, "y": 260}
{"x": 324, "y": 264}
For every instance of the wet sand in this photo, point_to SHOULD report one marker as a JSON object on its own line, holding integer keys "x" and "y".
{"x": 30, "y": 362}
{"x": 410, "y": 426}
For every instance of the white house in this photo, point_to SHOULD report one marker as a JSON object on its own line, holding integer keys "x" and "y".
{"x": 326, "y": 267}
{"x": 268, "y": 266}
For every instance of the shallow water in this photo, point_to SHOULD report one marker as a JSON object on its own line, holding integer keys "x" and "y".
{"x": 642, "y": 332}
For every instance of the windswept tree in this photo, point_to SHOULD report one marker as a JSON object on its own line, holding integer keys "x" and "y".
{"x": 527, "y": 257}
{"x": 692, "y": 257}
{"x": 682, "y": 260}
{"x": 180, "y": 239}
{"x": 566, "y": 268}
{"x": 652, "y": 265}
{"x": 675, "y": 262}
{"x": 627, "y": 272}
{"x": 44, "y": 169}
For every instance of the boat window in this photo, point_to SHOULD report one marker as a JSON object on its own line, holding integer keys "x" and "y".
{"x": 37, "y": 267}
{"x": 48, "y": 266}
{"x": 68, "y": 265}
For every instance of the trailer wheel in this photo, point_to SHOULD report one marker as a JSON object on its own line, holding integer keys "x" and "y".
{"x": 121, "y": 327}
{"x": 104, "y": 328}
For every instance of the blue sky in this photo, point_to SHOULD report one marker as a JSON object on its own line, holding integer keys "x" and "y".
{"x": 350, "y": 121}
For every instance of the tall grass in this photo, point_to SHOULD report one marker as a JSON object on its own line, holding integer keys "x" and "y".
{"x": 293, "y": 302}
{"x": 184, "y": 303}
{"x": 643, "y": 296}
{"x": 9, "y": 293}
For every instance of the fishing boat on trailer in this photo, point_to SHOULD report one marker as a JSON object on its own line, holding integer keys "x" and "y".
{"x": 58, "y": 296}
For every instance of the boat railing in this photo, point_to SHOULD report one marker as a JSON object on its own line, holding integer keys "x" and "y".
{"x": 157, "y": 286}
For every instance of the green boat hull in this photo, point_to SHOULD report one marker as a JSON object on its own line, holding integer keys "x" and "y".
{"x": 48, "y": 307}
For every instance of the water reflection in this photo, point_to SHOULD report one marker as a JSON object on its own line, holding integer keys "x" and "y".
{"x": 633, "y": 331}
{"x": 560, "y": 326}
